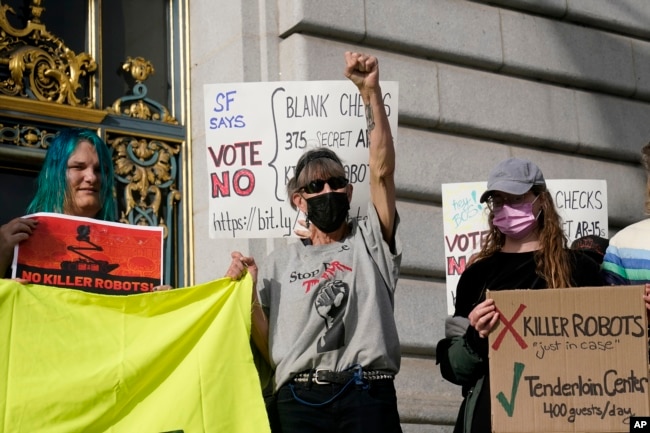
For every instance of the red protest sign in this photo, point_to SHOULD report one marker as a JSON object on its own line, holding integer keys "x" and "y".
{"x": 90, "y": 255}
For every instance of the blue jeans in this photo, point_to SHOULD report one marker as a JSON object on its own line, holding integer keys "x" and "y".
{"x": 371, "y": 409}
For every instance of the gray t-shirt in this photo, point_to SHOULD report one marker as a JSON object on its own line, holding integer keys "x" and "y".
{"x": 331, "y": 306}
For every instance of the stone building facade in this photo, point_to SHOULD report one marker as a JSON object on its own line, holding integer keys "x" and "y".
{"x": 565, "y": 83}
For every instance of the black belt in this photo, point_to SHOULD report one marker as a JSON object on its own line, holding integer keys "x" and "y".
{"x": 323, "y": 377}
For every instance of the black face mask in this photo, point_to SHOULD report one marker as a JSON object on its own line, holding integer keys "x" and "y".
{"x": 328, "y": 211}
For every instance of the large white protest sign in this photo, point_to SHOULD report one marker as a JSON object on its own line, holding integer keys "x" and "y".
{"x": 581, "y": 203}
{"x": 255, "y": 133}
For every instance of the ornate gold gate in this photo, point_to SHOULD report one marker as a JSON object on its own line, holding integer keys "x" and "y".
{"x": 46, "y": 86}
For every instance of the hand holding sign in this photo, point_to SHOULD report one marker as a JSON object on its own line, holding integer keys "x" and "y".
{"x": 483, "y": 317}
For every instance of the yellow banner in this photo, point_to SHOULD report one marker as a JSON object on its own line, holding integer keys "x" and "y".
{"x": 175, "y": 361}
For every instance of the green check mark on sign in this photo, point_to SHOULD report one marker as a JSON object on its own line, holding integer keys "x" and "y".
{"x": 509, "y": 406}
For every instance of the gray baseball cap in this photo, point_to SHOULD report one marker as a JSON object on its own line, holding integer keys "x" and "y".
{"x": 513, "y": 176}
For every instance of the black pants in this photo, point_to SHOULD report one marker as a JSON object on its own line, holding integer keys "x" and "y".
{"x": 358, "y": 409}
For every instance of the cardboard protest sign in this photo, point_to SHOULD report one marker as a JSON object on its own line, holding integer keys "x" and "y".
{"x": 581, "y": 203}
{"x": 91, "y": 255}
{"x": 255, "y": 133}
{"x": 569, "y": 360}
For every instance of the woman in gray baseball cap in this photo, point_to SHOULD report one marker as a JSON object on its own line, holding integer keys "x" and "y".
{"x": 525, "y": 248}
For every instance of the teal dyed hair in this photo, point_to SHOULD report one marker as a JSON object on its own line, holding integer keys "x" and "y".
{"x": 52, "y": 183}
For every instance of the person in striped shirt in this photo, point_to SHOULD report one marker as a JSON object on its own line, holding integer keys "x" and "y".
{"x": 627, "y": 258}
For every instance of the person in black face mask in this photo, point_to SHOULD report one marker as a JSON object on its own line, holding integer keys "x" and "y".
{"x": 323, "y": 311}
{"x": 327, "y": 210}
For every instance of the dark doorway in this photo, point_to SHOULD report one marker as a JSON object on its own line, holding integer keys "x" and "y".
{"x": 16, "y": 191}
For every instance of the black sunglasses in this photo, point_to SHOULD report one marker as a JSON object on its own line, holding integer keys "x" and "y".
{"x": 317, "y": 185}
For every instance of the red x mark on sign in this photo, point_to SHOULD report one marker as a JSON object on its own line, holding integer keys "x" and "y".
{"x": 507, "y": 326}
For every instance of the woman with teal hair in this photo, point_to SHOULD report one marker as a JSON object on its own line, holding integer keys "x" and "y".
{"x": 76, "y": 179}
